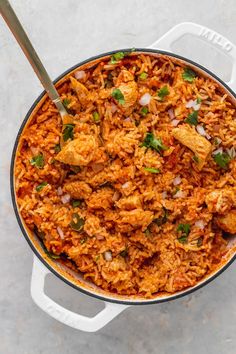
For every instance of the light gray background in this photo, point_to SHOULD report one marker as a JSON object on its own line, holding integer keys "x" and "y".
{"x": 65, "y": 32}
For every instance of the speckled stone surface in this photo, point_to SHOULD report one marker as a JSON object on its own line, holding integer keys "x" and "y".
{"x": 65, "y": 32}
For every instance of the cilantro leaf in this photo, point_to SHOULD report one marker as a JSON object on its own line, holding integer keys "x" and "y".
{"x": 37, "y": 161}
{"x": 184, "y": 230}
{"x": 162, "y": 219}
{"x": 195, "y": 158}
{"x": 163, "y": 92}
{"x": 192, "y": 118}
{"x": 57, "y": 148}
{"x": 117, "y": 57}
{"x": 144, "y": 111}
{"x": 189, "y": 75}
{"x": 77, "y": 222}
{"x": 154, "y": 143}
{"x": 40, "y": 186}
{"x": 118, "y": 96}
{"x": 68, "y": 132}
{"x": 152, "y": 170}
{"x": 143, "y": 76}
{"x": 222, "y": 160}
{"x": 76, "y": 203}
{"x": 96, "y": 117}
{"x": 66, "y": 102}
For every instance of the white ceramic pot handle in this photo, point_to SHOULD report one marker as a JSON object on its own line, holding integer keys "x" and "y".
{"x": 69, "y": 318}
{"x": 213, "y": 38}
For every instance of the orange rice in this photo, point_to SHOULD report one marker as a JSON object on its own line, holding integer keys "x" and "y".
{"x": 133, "y": 219}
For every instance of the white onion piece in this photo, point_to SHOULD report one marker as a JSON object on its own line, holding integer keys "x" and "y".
{"x": 218, "y": 151}
{"x": 201, "y": 131}
{"x": 190, "y": 104}
{"x": 145, "y": 99}
{"x": 60, "y": 232}
{"x": 128, "y": 119}
{"x": 97, "y": 167}
{"x": 171, "y": 113}
{"x": 108, "y": 256}
{"x": 200, "y": 224}
{"x": 65, "y": 198}
{"x": 59, "y": 191}
{"x": 231, "y": 152}
{"x": 164, "y": 195}
{"x": 179, "y": 194}
{"x": 113, "y": 108}
{"x": 116, "y": 196}
{"x": 125, "y": 185}
{"x": 177, "y": 180}
{"x": 197, "y": 106}
{"x": 80, "y": 74}
{"x": 175, "y": 122}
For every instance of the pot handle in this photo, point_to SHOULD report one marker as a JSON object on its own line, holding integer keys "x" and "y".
{"x": 213, "y": 38}
{"x": 69, "y": 318}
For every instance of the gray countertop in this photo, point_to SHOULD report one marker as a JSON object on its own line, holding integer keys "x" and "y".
{"x": 65, "y": 32}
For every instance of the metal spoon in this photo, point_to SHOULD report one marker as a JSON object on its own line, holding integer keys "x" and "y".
{"x": 17, "y": 30}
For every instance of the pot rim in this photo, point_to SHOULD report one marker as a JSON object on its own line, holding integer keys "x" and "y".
{"x": 112, "y": 297}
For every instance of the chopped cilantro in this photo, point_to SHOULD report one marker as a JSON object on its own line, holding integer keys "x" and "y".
{"x": 40, "y": 186}
{"x": 117, "y": 57}
{"x": 222, "y": 160}
{"x": 188, "y": 75}
{"x": 144, "y": 111}
{"x": 175, "y": 191}
{"x": 195, "y": 158}
{"x": 162, "y": 219}
{"x": 76, "y": 203}
{"x": 184, "y": 230}
{"x": 37, "y": 161}
{"x": 57, "y": 148}
{"x": 163, "y": 92}
{"x": 96, "y": 117}
{"x": 77, "y": 222}
{"x": 118, "y": 96}
{"x": 217, "y": 141}
{"x": 51, "y": 255}
{"x": 68, "y": 132}
{"x": 192, "y": 118}
{"x": 143, "y": 76}
{"x": 152, "y": 170}
{"x": 199, "y": 100}
{"x": 154, "y": 143}
{"x": 66, "y": 102}
{"x": 124, "y": 253}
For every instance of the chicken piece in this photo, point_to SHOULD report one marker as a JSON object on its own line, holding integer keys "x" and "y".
{"x": 220, "y": 200}
{"x": 128, "y": 87}
{"x": 129, "y": 203}
{"x": 93, "y": 228}
{"x": 78, "y": 152}
{"x": 81, "y": 91}
{"x": 227, "y": 222}
{"x": 78, "y": 189}
{"x": 136, "y": 218}
{"x": 195, "y": 142}
{"x": 102, "y": 199}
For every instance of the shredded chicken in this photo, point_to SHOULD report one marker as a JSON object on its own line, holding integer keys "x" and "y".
{"x": 220, "y": 200}
{"x": 78, "y": 152}
{"x": 78, "y": 189}
{"x": 128, "y": 87}
{"x": 81, "y": 91}
{"x": 195, "y": 142}
{"x": 129, "y": 203}
{"x": 228, "y": 222}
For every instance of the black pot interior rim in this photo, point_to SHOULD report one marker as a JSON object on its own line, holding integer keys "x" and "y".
{"x": 34, "y": 249}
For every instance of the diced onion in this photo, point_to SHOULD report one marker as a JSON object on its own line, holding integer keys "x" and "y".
{"x": 218, "y": 151}
{"x": 125, "y": 185}
{"x": 80, "y": 74}
{"x": 190, "y": 104}
{"x": 193, "y": 104}
{"x": 200, "y": 224}
{"x": 145, "y": 99}
{"x": 201, "y": 131}
{"x": 171, "y": 113}
{"x": 177, "y": 180}
{"x": 108, "y": 256}
{"x": 116, "y": 196}
{"x": 60, "y": 232}
{"x": 175, "y": 122}
{"x": 164, "y": 195}
{"x": 59, "y": 191}
{"x": 128, "y": 119}
{"x": 65, "y": 198}
{"x": 231, "y": 152}
{"x": 113, "y": 108}
{"x": 179, "y": 194}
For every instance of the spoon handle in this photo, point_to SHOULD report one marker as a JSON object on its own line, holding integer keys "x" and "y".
{"x": 19, "y": 33}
